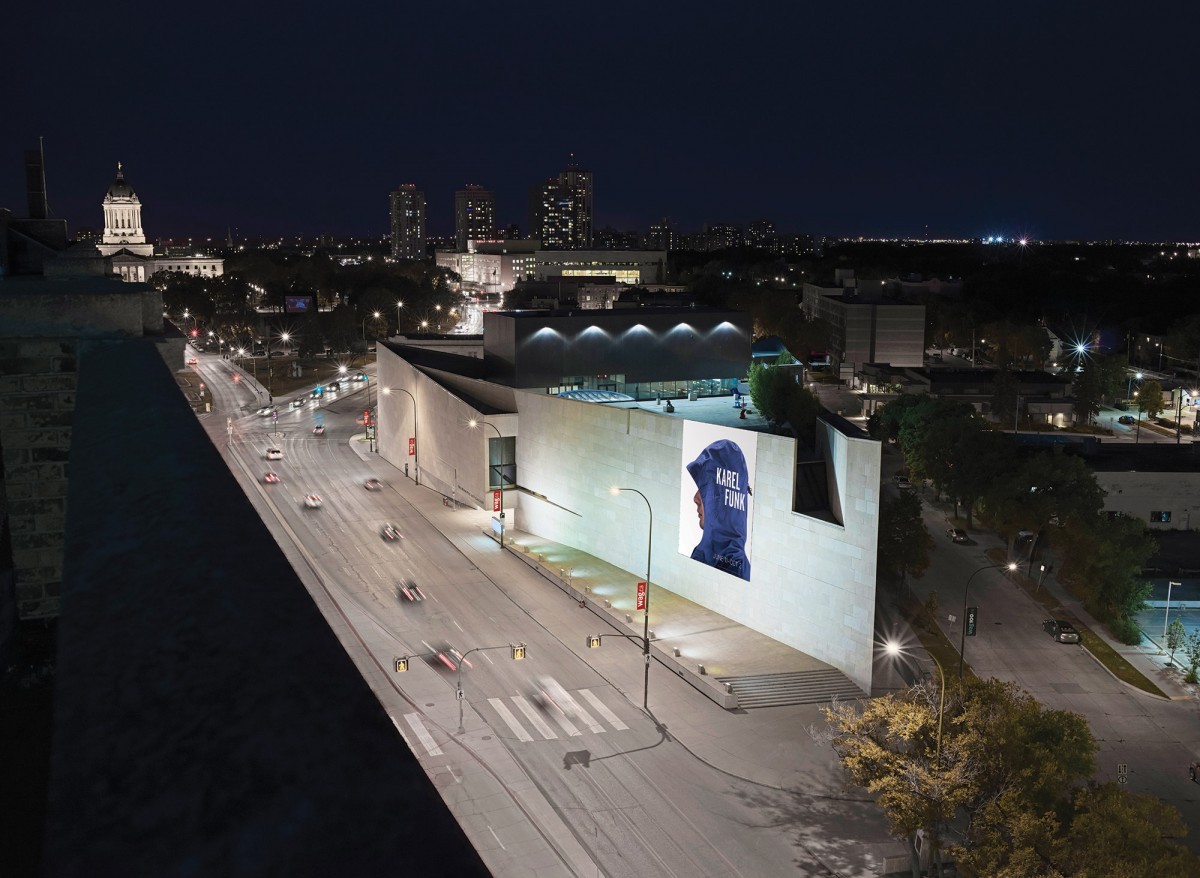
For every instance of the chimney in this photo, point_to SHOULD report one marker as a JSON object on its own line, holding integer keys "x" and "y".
{"x": 35, "y": 184}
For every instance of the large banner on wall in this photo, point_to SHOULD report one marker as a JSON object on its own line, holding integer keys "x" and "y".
{"x": 716, "y": 497}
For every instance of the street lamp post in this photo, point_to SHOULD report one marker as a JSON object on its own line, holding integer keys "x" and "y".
{"x": 893, "y": 648}
{"x": 1167, "y": 615}
{"x": 416, "y": 441}
{"x": 962, "y": 639}
{"x": 399, "y": 305}
{"x": 473, "y": 423}
{"x": 1129, "y": 386}
{"x": 374, "y": 316}
{"x": 646, "y": 620}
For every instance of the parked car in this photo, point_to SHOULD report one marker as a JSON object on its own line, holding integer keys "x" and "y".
{"x": 958, "y": 535}
{"x": 1060, "y": 630}
{"x": 1125, "y": 419}
{"x": 902, "y": 482}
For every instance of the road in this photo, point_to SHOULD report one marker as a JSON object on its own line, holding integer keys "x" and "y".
{"x": 1153, "y": 738}
{"x": 603, "y": 791}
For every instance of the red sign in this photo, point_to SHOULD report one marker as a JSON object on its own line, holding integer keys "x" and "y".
{"x": 495, "y": 501}
{"x": 641, "y": 598}
{"x": 412, "y": 446}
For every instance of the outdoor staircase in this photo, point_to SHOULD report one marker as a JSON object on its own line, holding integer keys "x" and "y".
{"x": 800, "y": 687}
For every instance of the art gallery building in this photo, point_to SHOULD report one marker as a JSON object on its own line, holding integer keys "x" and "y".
{"x": 806, "y": 518}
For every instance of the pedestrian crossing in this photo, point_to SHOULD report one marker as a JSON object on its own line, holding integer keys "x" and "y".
{"x": 529, "y": 721}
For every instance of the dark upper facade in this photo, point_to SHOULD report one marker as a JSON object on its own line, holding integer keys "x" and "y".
{"x": 596, "y": 348}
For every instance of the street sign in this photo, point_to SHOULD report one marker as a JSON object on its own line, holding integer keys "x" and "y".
{"x": 972, "y": 620}
{"x": 412, "y": 446}
{"x": 495, "y": 501}
{"x": 641, "y": 596}
{"x": 1122, "y": 768}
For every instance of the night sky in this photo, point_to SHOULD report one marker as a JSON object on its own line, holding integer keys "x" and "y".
{"x": 1053, "y": 120}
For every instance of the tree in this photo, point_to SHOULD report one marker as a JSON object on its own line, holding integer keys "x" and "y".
{"x": 1176, "y": 637}
{"x": 1191, "y": 649}
{"x": 1150, "y": 398}
{"x": 1005, "y": 396}
{"x": 1124, "y": 835}
{"x": 904, "y": 542}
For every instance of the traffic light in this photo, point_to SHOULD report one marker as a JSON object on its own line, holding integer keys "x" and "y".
{"x": 401, "y": 665}
{"x": 518, "y": 652}
{"x": 593, "y": 641}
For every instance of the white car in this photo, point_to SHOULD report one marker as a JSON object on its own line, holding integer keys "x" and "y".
{"x": 266, "y": 411}
{"x": 274, "y": 454}
{"x": 552, "y": 696}
{"x": 313, "y": 501}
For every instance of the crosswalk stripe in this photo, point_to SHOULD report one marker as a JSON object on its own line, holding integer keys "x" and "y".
{"x": 583, "y": 716}
{"x": 601, "y": 708}
{"x": 414, "y": 722}
{"x": 567, "y": 725}
{"x": 507, "y": 716}
{"x": 531, "y": 714}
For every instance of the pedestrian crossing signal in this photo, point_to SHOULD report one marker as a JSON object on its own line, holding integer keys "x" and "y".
{"x": 518, "y": 652}
{"x": 593, "y": 641}
{"x": 401, "y": 665}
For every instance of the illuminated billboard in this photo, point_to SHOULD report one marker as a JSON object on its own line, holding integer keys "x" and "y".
{"x": 716, "y": 497}
{"x": 298, "y": 304}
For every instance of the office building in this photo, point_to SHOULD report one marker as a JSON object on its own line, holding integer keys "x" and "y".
{"x": 407, "y": 206}
{"x": 474, "y": 215}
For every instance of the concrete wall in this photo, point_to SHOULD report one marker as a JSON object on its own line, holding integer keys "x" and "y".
{"x": 813, "y": 583}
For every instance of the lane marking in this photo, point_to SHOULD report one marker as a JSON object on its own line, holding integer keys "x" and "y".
{"x": 453, "y": 774}
{"x": 498, "y": 841}
{"x": 601, "y": 708}
{"x": 534, "y": 717}
{"x": 566, "y": 724}
{"x": 414, "y": 721}
{"x": 506, "y": 715}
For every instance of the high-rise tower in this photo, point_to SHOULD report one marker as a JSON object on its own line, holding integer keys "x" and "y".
{"x": 408, "y": 222}
{"x": 560, "y": 210}
{"x": 474, "y": 214}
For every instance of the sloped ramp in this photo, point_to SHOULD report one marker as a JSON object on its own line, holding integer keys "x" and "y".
{"x": 800, "y": 687}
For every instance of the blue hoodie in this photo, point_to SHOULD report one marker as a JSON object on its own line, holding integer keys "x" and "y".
{"x": 723, "y": 481}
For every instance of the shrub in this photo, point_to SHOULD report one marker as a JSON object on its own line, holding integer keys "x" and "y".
{"x": 1126, "y": 631}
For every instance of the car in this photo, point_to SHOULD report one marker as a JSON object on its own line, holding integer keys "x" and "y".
{"x": 449, "y": 658}
{"x": 958, "y": 535}
{"x": 1025, "y": 536}
{"x": 902, "y": 482}
{"x": 272, "y": 478}
{"x": 313, "y": 501}
{"x": 267, "y": 411}
{"x": 389, "y": 532}
{"x": 1125, "y": 419}
{"x": 1061, "y": 630}
{"x": 192, "y": 361}
{"x": 549, "y": 694}
{"x": 373, "y": 484}
{"x": 410, "y": 591}
{"x": 300, "y": 402}
{"x": 274, "y": 454}
{"x": 319, "y": 430}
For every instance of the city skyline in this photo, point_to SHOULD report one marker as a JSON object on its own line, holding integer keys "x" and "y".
{"x": 874, "y": 122}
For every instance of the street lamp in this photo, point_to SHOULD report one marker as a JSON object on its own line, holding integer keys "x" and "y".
{"x": 1129, "y": 386}
{"x": 374, "y": 316}
{"x": 893, "y": 648}
{"x": 399, "y": 305}
{"x": 473, "y": 423}
{"x": 962, "y": 639}
{"x": 646, "y": 621}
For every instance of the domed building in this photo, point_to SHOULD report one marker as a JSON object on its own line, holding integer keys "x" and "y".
{"x": 125, "y": 240}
